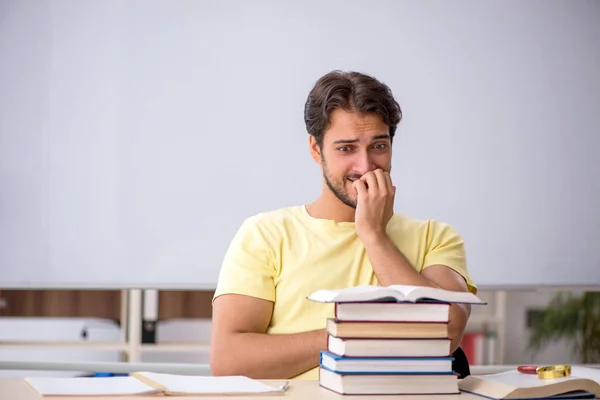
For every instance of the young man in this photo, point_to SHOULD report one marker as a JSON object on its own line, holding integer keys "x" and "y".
{"x": 263, "y": 325}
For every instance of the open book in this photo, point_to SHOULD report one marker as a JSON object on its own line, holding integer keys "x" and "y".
{"x": 399, "y": 293}
{"x": 152, "y": 383}
{"x": 516, "y": 385}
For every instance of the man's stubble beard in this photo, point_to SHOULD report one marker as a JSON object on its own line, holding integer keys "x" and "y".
{"x": 339, "y": 188}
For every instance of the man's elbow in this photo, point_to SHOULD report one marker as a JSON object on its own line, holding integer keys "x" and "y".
{"x": 221, "y": 362}
{"x": 225, "y": 360}
{"x": 230, "y": 366}
{"x": 219, "y": 368}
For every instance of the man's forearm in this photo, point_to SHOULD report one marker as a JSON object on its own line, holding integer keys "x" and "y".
{"x": 391, "y": 267}
{"x": 269, "y": 356}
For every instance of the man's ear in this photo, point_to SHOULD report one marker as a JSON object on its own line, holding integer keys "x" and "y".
{"x": 315, "y": 150}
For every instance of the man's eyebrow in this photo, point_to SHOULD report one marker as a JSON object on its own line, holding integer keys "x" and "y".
{"x": 386, "y": 136}
{"x": 346, "y": 141}
{"x": 377, "y": 137}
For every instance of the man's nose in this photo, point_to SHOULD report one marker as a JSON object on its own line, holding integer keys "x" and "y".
{"x": 364, "y": 163}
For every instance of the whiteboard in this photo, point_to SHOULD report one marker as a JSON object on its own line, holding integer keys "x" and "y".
{"x": 136, "y": 136}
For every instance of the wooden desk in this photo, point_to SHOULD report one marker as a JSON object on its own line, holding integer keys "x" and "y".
{"x": 17, "y": 389}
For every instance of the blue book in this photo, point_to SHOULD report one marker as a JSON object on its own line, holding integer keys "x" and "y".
{"x": 386, "y": 365}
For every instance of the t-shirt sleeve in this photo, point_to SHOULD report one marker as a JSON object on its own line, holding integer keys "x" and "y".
{"x": 248, "y": 266}
{"x": 446, "y": 247}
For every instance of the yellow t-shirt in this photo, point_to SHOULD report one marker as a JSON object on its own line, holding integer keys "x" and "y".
{"x": 285, "y": 255}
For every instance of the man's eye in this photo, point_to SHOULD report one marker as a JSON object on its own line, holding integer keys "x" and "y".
{"x": 344, "y": 149}
{"x": 380, "y": 146}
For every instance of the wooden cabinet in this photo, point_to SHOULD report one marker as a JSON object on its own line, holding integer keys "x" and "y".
{"x": 184, "y": 304}
{"x": 61, "y": 303}
{"x": 99, "y": 303}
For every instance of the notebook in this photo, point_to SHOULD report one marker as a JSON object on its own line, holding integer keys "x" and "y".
{"x": 516, "y": 385}
{"x": 151, "y": 383}
{"x": 401, "y": 293}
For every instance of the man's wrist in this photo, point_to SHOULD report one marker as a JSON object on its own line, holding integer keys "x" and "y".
{"x": 374, "y": 238}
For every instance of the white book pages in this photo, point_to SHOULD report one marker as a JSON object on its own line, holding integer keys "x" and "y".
{"x": 186, "y": 384}
{"x": 110, "y": 386}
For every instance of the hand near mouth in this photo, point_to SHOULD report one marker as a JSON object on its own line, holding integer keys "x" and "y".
{"x": 375, "y": 204}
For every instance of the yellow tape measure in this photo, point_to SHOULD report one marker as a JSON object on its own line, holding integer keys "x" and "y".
{"x": 553, "y": 371}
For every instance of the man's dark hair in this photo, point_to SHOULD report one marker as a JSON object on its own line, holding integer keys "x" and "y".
{"x": 353, "y": 92}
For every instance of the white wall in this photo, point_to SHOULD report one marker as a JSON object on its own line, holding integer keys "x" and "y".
{"x": 135, "y": 136}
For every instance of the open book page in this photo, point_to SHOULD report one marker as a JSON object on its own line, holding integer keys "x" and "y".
{"x": 517, "y": 379}
{"x": 393, "y": 293}
{"x": 357, "y": 293}
{"x": 113, "y": 386}
{"x": 415, "y": 293}
{"x": 514, "y": 384}
{"x": 187, "y": 384}
{"x": 586, "y": 373}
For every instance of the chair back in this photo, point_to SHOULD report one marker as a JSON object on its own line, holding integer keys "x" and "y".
{"x": 460, "y": 364}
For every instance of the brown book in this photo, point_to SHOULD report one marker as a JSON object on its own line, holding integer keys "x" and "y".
{"x": 359, "y": 329}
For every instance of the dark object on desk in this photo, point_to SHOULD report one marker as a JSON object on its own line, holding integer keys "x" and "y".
{"x": 460, "y": 365}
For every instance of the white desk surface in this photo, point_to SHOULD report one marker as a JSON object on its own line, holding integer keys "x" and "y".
{"x": 17, "y": 388}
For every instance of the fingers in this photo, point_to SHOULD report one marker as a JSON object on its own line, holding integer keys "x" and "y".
{"x": 388, "y": 181}
{"x": 361, "y": 189}
{"x": 371, "y": 179}
{"x": 378, "y": 183}
{"x": 385, "y": 188}
{"x": 390, "y": 185}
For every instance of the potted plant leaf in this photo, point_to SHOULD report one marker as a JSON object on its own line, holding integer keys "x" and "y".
{"x": 574, "y": 317}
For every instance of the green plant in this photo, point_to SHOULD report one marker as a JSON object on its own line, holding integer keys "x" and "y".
{"x": 575, "y": 318}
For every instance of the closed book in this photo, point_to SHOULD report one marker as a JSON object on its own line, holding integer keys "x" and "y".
{"x": 385, "y": 365}
{"x": 387, "y": 329}
{"x": 390, "y": 311}
{"x": 362, "y": 347}
{"x": 390, "y": 384}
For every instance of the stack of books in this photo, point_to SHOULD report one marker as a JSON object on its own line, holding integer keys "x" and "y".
{"x": 389, "y": 340}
